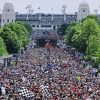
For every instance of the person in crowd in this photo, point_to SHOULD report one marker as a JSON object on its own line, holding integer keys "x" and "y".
{"x": 65, "y": 78}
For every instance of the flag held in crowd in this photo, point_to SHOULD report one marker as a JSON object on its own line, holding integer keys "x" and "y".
{"x": 25, "y": 93}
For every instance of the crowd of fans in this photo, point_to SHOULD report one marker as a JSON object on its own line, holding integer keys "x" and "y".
{"x": 66, "y": 77}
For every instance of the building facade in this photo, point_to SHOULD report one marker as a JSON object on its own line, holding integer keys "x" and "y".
{"x": 41, "y": 21}
{"x": 8, "y": 13}
{"x": 46, "y": 21}
{"x": 83, "y": 11}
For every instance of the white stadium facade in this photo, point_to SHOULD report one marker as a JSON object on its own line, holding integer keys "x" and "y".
{"x": 41, "y": 21}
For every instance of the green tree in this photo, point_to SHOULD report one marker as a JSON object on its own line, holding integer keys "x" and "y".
{"x": 62, "y": 29}
{"x": 90, "y": 17}
{"x": 78, "y": 41}
{"x": 91, "y": 50}
{"x": 3, "y": 50}
{"x": 90, "y": 27}
{"x": 21, "y": 31}
{"x": 85, "y": 37}
{"x": 70, "y": 32}
{"x": 97, "y": 54}
{"x": 26, "y": 25}
{"x": 11, "y": 40}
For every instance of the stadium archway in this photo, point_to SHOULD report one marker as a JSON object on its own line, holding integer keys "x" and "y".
{"x": 44, "y": 37}
{"x": 42, "y": 42}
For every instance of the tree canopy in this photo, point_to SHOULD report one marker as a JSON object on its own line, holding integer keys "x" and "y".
{"x": 11, "y": 40}
{"x": 21, "y": 31}
{"x": 15, "y": 36}
{"x": 26, "y": 25}
{"x": 3, "y": 50}
{"x": 85, "y": 36}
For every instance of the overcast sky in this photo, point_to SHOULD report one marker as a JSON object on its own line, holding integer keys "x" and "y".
{"x": 47, "y": 5}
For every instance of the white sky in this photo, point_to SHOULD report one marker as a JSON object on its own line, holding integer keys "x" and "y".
{"x": 47, "y": 5}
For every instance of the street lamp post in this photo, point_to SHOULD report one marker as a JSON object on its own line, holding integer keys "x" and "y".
{"x": 88, "y": 48}
{"x": 48, "y": 46}
{"x": 59, "y": 57}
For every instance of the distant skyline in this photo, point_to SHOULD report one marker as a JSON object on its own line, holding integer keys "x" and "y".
{"x": 51, "y": 6}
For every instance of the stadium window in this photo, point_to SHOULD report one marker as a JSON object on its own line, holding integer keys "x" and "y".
{"x": 7, "y": 20}
{"x": 3, "y": 20}
{"x": 8, "y": 10}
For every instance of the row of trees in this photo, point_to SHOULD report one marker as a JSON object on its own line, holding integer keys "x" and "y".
{"x": 85, "y": 37}
{"x": 13, "y": 37}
